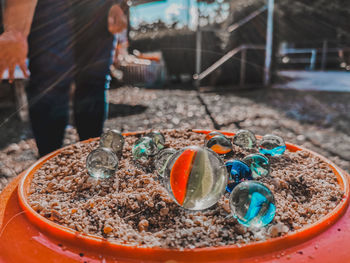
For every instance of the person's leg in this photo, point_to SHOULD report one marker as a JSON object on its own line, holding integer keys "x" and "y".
{"x": 51, "y": 66}
{"x": 94, "y": 50}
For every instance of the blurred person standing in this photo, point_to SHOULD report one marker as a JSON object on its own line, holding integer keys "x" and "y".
{"x": 66, "y": 41}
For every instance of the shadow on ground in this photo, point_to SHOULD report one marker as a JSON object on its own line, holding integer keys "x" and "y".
{"x": 12, "y": 129}
{"x": 122, "y": 110}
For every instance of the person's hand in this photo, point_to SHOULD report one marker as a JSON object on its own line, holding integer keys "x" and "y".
{"x": 117, "y": 21}
{"x": 13, "y": 51}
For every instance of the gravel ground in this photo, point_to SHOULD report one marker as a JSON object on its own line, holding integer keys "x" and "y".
{"x": 317, "y": 120}
{"x": 133, "y": 207}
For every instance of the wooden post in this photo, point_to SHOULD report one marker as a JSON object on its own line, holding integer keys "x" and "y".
{"x": 269, "y": 35}
{"x": 21, "y": 100}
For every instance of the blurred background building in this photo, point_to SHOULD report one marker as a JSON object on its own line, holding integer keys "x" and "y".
{"x": 307, "y": 35}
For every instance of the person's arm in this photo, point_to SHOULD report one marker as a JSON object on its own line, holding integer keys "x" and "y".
{"x": 117, "y": 20}
{"x": 17, "y": 20}
{"x": 18, "y": 15}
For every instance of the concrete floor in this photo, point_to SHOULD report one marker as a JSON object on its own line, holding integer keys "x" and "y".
{"x": 334, "y": 81}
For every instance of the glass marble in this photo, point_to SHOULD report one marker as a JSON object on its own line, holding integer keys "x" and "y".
{"x": 112, "y": 139}
{"x": 162, "y": 159}
{"x": 144, "y": 148}
{"x": 102, "y": 163}
{"x": 220, "y": 144}
{"x": 245, "y": 139}
{"x": 158, "y": 139}
{"x": 253, "y": 204}
{"x": 272, "y": 145}
{"x": 258, "y": 164}
{"x": 211, "y": 135}
{"x": 238, "y": 172}
{"x": 195, "y": 178}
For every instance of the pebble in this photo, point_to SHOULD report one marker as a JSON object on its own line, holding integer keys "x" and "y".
{"x": 107, "y": 229}
{"x": 164, "y": 211}
{"x": 12, "y": 148}
{"x": 5, "y": 171}
{"x": 143, "y": 225}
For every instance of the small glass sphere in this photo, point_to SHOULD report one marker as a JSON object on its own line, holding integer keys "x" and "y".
{"x": 158, "y": 139}
{"x": 253, "y": 204}
{"x": 144, "y": 148}
{"x": 162, "y": 159}
{"x": 245, "y": 139}
{"x": 258, "y": 164}
{"x": 211, "y": 135}
{"x": 195, "y": 178}
{"x": 238, "y": 172}
{"x": 272, "y": 145}
{"x": 112, "y": 139}
{"x": 220, "y": 144}
{"x": 102, "y": 163}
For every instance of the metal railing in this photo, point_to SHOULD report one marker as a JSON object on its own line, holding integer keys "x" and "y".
{"x": 226, "y": 57}
{"x": 245, "y": 20}
{"x": 243, "y": 48}
{"x": 238, "y": 24}
{"x": 312, "y": 59}
{"x": 323, "y": 51}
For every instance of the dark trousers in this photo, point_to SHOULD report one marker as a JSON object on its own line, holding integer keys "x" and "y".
{"x": 69, "y": 42}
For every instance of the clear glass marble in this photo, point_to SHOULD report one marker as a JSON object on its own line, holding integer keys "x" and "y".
{"x": 253, "y": 204}
{"x": 272, "y": 145}
{"x": 158, "y": 138}
{"x": 211, "y": 135}
{"x": 112, "y": 139}
{"x": 258, "y": 164}
{"x": 245, "y": 139}
{"x": 195, "y": 178}
{"x": 238, "y": 172}
{"x": 144, "y": 148}
{"x": 220, "y": 144}
{"x": 102, "y": 163}
{"x": 162, "y": 159}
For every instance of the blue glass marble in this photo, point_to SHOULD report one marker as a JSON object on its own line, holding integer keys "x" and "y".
{"x": 238, "y": 172}
{"x": 253, "y": 204}
{"x": 258, "y": 164}
{"x": 144, "y": 148}
{"x": 272, "y": 145}
{"x": 158, "y": 138}
{"x": 245, "y": 139}
{"x": 220, "y": 144}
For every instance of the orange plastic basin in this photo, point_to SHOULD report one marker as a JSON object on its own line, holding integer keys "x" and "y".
{"x": 25, "y": 236}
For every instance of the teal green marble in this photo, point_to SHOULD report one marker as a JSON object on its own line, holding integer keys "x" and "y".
{"x": 158, "y": 138}
{"x": 258, "y": 164}
{"x": 144, "y": 148}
